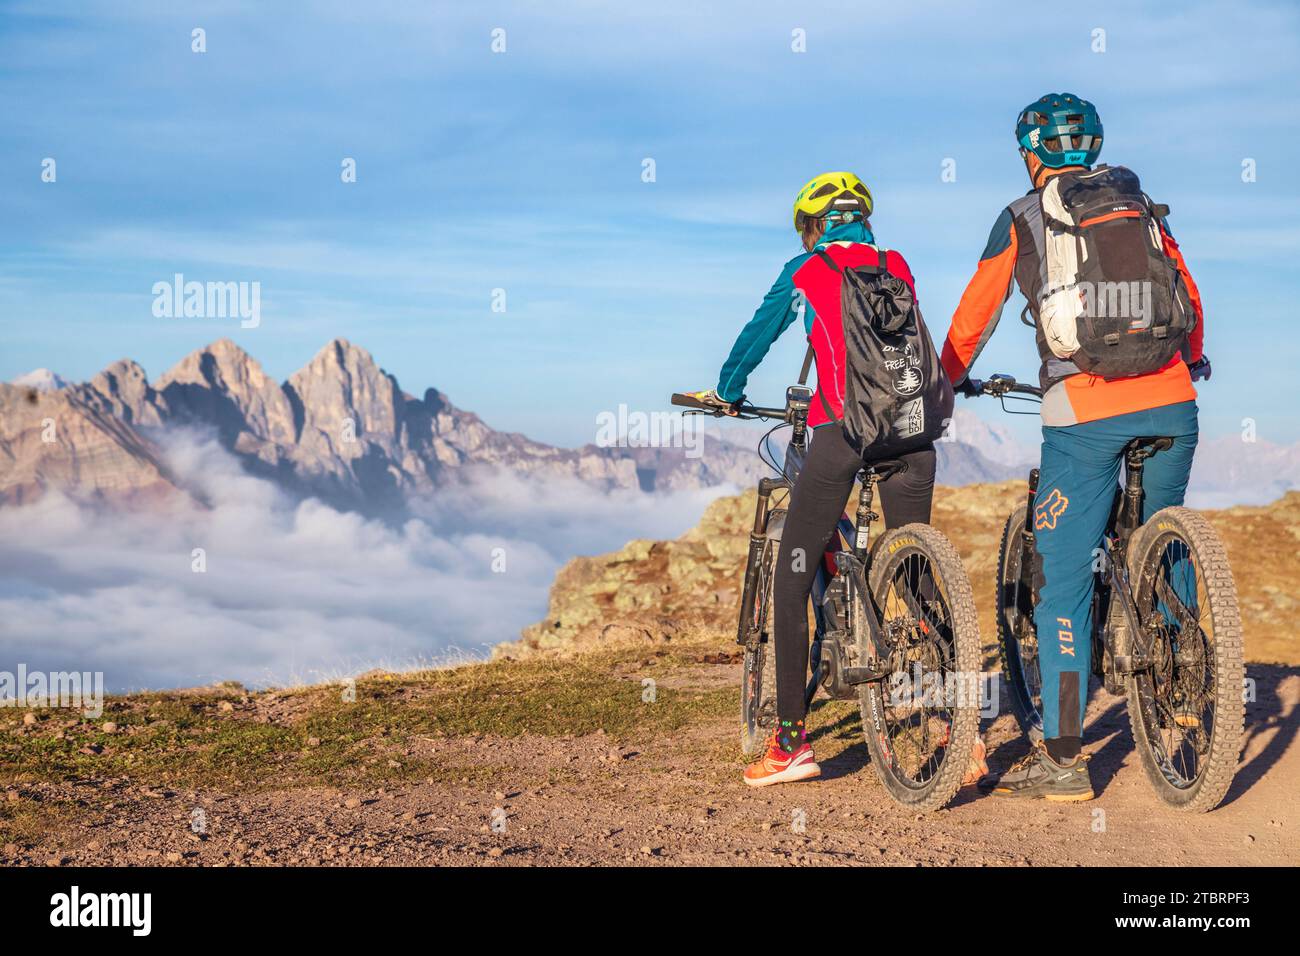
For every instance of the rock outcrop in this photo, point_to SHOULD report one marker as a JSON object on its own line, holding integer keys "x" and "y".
{"x": 650, "y": 591}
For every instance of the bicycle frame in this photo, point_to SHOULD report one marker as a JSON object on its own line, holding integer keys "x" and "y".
{"x": 853, "y": 568}
{"x": 1128, "y": 651}
{"x": 850, "y": 561}
{"x": 796, "y": 413}
{"x": 1117, "y": 651}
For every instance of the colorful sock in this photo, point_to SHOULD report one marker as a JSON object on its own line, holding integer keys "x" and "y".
{"x": 790, "y": 735}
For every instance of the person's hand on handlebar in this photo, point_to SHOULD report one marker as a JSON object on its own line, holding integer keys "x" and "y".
{"x": 1200, "y": 369}
{"x": 712, "y": 399}
{"x": 969, "y": 387}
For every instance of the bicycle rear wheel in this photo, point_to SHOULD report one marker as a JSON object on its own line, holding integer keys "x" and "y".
{"x": 1017, "y": 638}
{"x": 922, "y": 722}
{"x": 1187, "y": 709}
{"x": 758, "y": 677}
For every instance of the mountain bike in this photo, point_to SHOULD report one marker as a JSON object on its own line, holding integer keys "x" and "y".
{"x": 1166, "y": 631}
{"x": 895, "y": 627}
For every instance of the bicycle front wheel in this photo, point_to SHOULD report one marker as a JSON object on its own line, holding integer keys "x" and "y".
{"x": 1017, "y": 638}
{"x": 1187, "y": 708}
{"x": 758, "y": 677}
{"x": 922, "y": 722}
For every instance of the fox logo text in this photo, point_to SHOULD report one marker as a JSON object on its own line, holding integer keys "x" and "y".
{"x": 1051, "y": 508}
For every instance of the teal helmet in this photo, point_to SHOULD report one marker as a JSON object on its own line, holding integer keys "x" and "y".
{"x": 1061, "y": 130}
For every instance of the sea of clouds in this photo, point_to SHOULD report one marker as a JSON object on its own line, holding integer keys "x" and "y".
{"x": 294, "y": 591}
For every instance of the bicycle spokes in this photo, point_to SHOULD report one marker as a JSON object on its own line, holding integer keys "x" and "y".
{"x": 920, "y": 698}
{"x": 1180, "y": 715}
{"x": 1027, "y": 643}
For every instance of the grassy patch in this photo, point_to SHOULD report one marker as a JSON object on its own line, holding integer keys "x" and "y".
{"x": 177, "y": 741}
{"x": 509, "y": 699}
{"x": 232, "y": 740}
{"x": 25, "y": 823}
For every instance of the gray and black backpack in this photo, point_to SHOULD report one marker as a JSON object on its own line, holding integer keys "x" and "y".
{"x": 1113, "y": 302}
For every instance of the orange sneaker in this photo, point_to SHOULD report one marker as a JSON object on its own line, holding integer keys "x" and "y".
{"x": 777, "y": 766}
{"x": 977, "y": 767}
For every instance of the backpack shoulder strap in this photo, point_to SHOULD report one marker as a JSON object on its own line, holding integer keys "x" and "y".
{"x": 807, "y": 364}
{"x": 821, "y": 254}
{"x": 803, "y": 380}
{"x": 879, "y": 268}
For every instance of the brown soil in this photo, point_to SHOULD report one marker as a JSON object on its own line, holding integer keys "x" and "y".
{"x": 678, "y": 799}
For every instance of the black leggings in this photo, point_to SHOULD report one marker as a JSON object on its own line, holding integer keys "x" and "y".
{"x": 816, "y": 503}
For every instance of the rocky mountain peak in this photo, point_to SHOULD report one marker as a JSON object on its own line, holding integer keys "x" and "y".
{"x": 345, "y": 400}
{"x": 223, "y": 386}
{"x": 221, "y": 363}
{"x": 41, "y": 379}
{"x": 123, "y": 391}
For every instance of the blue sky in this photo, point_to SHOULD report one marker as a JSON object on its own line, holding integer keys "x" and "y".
{"x": 522, "y": 171}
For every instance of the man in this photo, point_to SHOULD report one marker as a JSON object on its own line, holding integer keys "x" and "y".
{"x": 832, "y": 216}
{"x": 1087, "y": 420}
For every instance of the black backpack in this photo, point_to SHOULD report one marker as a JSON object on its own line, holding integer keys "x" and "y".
{"x": 897, "y": 397}
{"x": 1113, "y": 304}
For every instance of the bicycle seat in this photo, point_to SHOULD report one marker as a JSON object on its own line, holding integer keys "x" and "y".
{"x": 1146, "y": 447}
{"x": 885, "y": 468}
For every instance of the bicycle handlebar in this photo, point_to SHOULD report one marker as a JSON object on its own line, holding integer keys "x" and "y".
{"x": 743, "y": 411}
{"x": 1000, "y": 385}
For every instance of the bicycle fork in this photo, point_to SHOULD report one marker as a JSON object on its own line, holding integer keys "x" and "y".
{"x": 1129, "y": 645}
{"x": 745, "y": 629}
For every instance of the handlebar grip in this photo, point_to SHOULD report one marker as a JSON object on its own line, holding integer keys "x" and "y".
{"x": 685, "y": 401}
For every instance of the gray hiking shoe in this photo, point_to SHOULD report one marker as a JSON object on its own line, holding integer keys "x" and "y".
{"x": 1038, "y": 775}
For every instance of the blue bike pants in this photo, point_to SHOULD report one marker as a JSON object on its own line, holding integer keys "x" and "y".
{"x": 1077, "y": 483}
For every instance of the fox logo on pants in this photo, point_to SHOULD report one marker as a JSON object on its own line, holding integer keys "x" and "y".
{"x": 1053, "y": 507}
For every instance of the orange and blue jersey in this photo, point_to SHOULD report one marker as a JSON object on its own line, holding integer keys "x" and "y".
{"x": 1013, "y": 254}
{"x": 807, "y": 288}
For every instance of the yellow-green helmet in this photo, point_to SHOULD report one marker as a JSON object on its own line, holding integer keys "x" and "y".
{"x": 830, "y": 193}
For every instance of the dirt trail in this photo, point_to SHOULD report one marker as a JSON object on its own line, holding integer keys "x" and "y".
{"x": 679, "y": 800}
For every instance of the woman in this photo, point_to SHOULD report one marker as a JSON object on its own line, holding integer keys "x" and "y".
{"x": 832, "y": 216}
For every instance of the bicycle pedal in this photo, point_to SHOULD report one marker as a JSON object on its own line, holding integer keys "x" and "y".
{"x": 1130, "y": 663}
{"x": 863, "y": 675}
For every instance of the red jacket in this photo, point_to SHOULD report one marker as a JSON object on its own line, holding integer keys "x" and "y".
{"x": 820, "y": 285}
